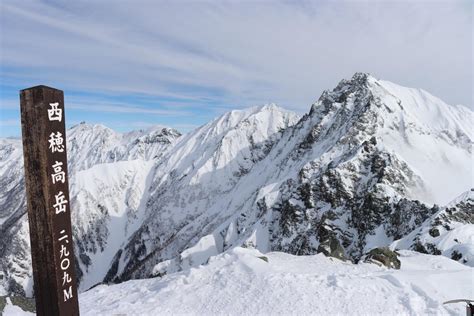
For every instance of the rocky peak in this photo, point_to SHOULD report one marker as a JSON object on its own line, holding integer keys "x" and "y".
{"x": 357, "y": 86}
{"x": 401, "y": 120}
{"x": 358, "y": 81}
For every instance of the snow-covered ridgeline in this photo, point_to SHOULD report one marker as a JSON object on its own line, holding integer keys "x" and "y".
{"x": 346, "y": 177}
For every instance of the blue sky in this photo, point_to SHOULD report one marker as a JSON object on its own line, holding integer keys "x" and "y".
{"x": 132, "y": 64}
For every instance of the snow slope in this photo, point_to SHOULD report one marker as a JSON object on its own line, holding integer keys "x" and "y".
{"x": 112, "y": 194}
{"x": 89, "y": 145}
{"x": 437, "y": 139}
{"x": 241, "y": 282}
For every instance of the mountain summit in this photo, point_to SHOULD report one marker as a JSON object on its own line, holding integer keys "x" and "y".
{"x": 372, "y": 164}
{"x": 432, "y": 137}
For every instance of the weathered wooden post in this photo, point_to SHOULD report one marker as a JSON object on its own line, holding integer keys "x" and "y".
{"x": 47, "y": 191}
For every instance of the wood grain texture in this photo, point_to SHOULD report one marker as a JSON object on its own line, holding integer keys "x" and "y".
{"x": 46, "y": 226}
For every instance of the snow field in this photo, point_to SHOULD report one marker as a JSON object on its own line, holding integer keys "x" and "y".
{"x": 242, "y": 282}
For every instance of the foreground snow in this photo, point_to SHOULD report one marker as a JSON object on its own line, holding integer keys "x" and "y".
{"x": 239, "y": 282}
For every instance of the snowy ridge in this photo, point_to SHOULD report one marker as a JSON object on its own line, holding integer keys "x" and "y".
{"x": 93, "y": 144}
{"x": 466, "y": 197}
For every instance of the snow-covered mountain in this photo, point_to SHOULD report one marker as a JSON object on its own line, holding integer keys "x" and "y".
{"x": 103, "y": 167}
{"x": 364, "y": 168}
{"x": 90, "y": 145}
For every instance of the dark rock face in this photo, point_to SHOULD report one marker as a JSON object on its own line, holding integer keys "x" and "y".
{"x": 455, "y": 255}
{"x": 383, "y": 256}
{"x": 322, "y": 215}
{"x": 434, "y": 232}
{"x": 331, "y": 247}
{"x": 26, "y": 304}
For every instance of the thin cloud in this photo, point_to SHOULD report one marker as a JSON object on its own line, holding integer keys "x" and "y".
{"x": 10, "y": 104}
{"x": 10, "y": 122}
{"x": 235, "y": 54}
{"x": 184, "y": 128}
{"x": 114, "y": 108}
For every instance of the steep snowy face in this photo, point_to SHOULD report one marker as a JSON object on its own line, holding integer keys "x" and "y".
{"x": 437, "y": 140}
{"x": 105, "y": 198}
{"x": 15, "y": 259}
{"x": 11, "y": 178}
{"x": 203, "y": 181}
{"x": 109, "y": 202}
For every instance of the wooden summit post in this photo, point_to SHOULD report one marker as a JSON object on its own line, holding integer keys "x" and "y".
{"x": 47, "y": 192}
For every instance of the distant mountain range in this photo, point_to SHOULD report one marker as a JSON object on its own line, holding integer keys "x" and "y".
{"x": 372, "y": 164}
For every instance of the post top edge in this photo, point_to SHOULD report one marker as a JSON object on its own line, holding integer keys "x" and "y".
{"x": 40, "y": 87}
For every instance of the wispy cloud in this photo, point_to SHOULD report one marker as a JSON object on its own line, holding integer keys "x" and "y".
{"x": 9, "y": 104}
{"x": 121, "y": 108}
{"x": 11, "y": 122}
{"x": 143, "y": 125}
{"x": 211, "y": 56}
